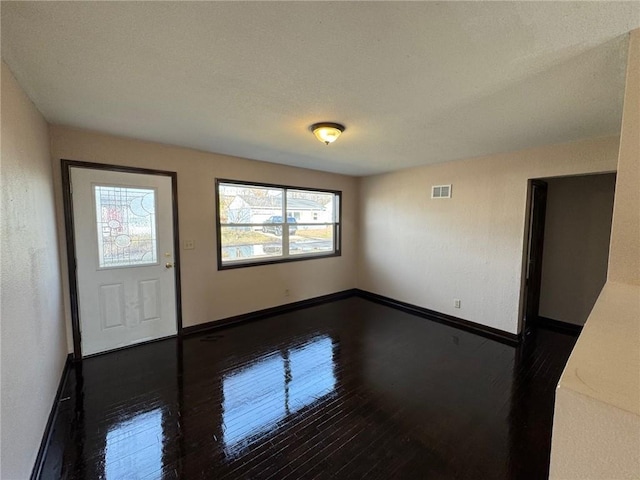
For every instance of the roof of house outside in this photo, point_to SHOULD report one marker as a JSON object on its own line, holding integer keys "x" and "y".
{"x": 276, "y": 202}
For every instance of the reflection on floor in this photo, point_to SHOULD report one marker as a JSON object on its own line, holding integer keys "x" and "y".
{"x": 349, "y": 389}
{"x": 258, "y": 397}
{"x": 134, "y": 445}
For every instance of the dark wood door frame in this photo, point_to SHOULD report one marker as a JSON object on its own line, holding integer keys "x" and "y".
{"x": 534, "y": 252}
{"x": 66, "y": 166}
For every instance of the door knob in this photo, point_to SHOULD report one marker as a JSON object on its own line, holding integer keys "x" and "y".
{"x": 168, "y": 265}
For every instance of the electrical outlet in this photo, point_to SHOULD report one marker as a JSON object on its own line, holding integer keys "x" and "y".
{"x": 456, "y": 303}
{"x": 286, "y": 292}
{"x": 189, "y": 244}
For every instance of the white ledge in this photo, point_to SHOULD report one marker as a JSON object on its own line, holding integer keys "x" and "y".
{"x": 605, "y": 363}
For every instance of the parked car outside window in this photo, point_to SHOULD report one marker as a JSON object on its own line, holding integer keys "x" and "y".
{"x": 274, "y": 225}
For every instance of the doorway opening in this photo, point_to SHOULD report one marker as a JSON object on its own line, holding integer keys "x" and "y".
{"x": 567, "y": 249}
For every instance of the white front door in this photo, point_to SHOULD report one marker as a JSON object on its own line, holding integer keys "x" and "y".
{"x": 123, "y": 227}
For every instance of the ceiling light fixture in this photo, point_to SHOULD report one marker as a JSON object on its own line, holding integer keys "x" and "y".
{"x": 327, "y": 132}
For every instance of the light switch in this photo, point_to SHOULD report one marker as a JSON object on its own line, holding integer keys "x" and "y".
{"x": 189, "y": 244}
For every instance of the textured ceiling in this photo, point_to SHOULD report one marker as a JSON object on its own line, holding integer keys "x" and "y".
{"x": 414, "y": 83}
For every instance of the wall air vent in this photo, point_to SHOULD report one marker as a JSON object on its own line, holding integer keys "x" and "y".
{"x": 441, "y": 191}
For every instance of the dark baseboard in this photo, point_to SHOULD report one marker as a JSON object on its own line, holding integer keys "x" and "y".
{"x": 268, "y": 312}
{"x": 558, "y": 326}
{"x": 127, "y": 347}
{"x": 46, "y": 437}
{"x": 489, "y": 332}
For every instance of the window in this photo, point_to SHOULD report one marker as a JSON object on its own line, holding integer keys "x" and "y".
{"x": 126, "y": 221}
{"x": 261, "y": 223}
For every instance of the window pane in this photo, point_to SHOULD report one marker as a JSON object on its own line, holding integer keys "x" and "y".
{"x": 254, "y": 224}
{"x": 126, "y": 223}
{"x": 310, "y": 238}
{"x": 246, "y": 204}
{"x": 242, "y": 243}
{"x": 310, "y": 207}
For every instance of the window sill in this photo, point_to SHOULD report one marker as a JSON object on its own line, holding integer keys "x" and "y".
{"x": 272, "y": 261}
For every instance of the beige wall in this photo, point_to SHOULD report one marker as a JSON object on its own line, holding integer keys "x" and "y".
{"x": 428, "y": 252}
{"x": 624, "y": 260}
{"x": 576, "y": 245}
{"x": 596, "y": 425}
{"x": 33, "y": 348}
{"x": 209, "y": 294}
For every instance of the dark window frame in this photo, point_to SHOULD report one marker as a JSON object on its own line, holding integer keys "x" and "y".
{"x": 337, "y": 226}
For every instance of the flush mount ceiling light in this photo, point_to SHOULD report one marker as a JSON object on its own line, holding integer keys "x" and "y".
{"x": 327, "y": 132}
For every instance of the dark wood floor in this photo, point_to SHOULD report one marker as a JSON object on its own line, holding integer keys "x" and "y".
{"x": 349, "y": 389}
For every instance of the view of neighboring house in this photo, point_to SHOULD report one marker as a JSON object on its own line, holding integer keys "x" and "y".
{"x": 257, "y": 209}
